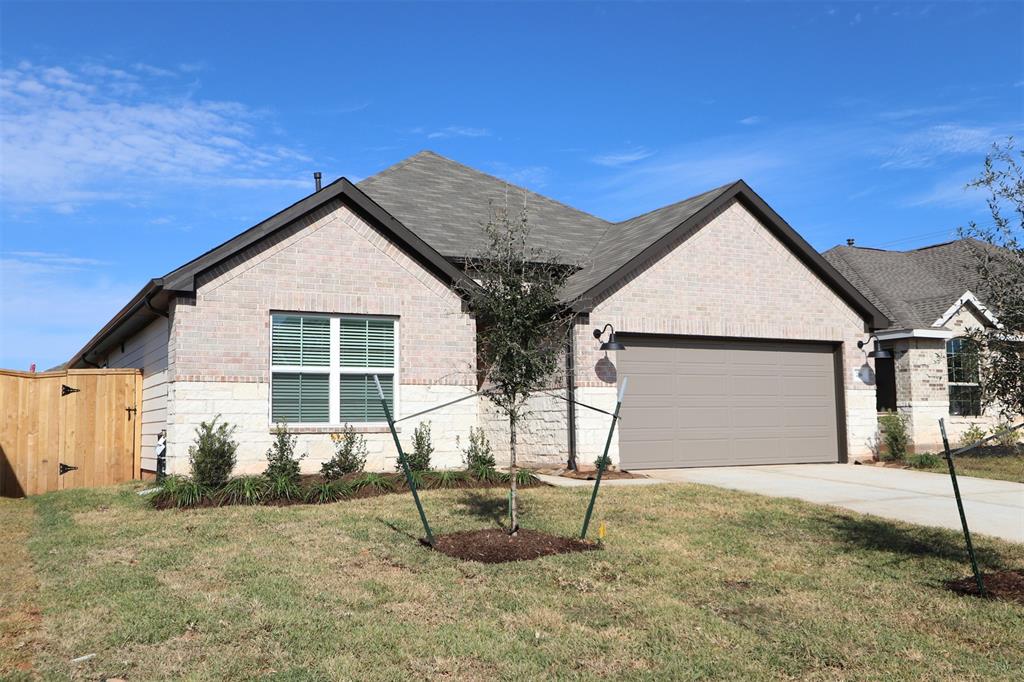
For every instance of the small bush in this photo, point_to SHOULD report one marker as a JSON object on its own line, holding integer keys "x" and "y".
{"x": 326, "y": 492}
{"x": 244, "y": 490}
{"x": 281, "y": 459}
{"x": 1005, "y": 437}
{"x": 477, "y": 454}
{"x": 971, "y": 436}
{"x": 179, "y": 491}
{"x": 284, "y": 487}
{"x": 349, "y": 454}
{"x": 422, "y": 449}
{"x": 212, "y": 456}
{"x": 377, "y": 482}
{"x": 895, "y": 434}
{"x": 925, "y": 460}
{"x": 602, "y": 462}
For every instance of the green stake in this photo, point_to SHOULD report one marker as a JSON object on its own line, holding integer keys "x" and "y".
{"x": 960, "y": 507}
{"x": 603, "y": 460}
{"x": 404, "y": 463}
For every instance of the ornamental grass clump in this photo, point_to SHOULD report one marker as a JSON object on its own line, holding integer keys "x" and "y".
{"x": 326, "y": 492}
{"x": 212, "y": 456}
{"x": 179, "y": 491}
{"x": 349, "y": 454}
{"x": 244, "y": 490}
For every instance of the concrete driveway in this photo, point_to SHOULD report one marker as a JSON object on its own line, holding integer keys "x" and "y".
{"x": 992, "y": 507}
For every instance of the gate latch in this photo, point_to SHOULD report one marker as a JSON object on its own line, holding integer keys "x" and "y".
{"x": 65, "y": 390}
{"x": 64, "y": 468}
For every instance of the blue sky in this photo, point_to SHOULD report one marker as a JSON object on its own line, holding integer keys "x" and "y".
{"x": 136, "y": 136}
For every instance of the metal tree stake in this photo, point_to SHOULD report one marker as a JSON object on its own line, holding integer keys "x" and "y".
{"x": 960, "y": 507}
{"x": 601, "y": 463}
{"x": 405, "y": 465}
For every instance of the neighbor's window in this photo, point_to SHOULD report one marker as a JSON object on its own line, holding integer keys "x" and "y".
{"x": 322, "y": 368}
{"x": 964, "y": 391}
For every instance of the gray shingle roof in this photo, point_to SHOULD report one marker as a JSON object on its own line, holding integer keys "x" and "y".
{"x": 913, "y": 288}
{"x": 444, "y": 203}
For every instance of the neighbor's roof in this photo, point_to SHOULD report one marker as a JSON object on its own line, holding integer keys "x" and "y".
{"x": 913, "y": 288}
{"x": 434, "y": 207}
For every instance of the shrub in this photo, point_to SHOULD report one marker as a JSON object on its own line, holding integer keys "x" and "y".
{"x": 925, "y": 460}
{"x": 971, "y": 436}
{"x": 895, "y": 435}
{"x": 244, "y": 490}
{"x": 602, "y": 462}
{"x": 284, "y": 487}
{"x": 349, "y": 454}
{"x": 325, "y": 492}
{"x": 477, "y": 454}
{"x": 1004, "y": 436}
{"x": 212, "y": 457}
{"x": 179, "y": 491}
{"x": 281, "y": 459}
{"x": 422, "y": 449}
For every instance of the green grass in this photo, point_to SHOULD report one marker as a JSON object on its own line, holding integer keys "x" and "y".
{"x": 693, "y": 582}
{"x": 1002, "y": 467}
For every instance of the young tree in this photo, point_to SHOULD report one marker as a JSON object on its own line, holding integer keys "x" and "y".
{"x": 521, "y": 324}
{"x": 1000, "y": 352}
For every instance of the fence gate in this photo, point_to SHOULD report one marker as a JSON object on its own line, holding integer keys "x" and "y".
{"x": 68, "y": 429}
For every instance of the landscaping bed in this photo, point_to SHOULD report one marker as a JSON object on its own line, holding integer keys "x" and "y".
{"x": 1007, "y": 585}
{"x": 495, "y": 545}
{"x": 995, "y": 462}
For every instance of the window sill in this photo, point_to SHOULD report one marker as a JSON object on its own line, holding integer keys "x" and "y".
{"x": 334, "y": 428}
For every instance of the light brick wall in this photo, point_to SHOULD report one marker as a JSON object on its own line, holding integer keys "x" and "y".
{"x": 330, "y": 261}
{"x": 922, "y": 390}
{"x": 730, "y": 277}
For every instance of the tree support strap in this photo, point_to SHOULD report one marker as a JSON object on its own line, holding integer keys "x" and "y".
{"x": 603, "y": 462}
{"x": 404, "y": 463}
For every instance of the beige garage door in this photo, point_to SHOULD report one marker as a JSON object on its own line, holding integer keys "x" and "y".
{"x": 714, "y": 403}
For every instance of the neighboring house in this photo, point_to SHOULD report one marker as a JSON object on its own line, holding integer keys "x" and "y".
{"x": 741, "y": 339}
{"x": 928, "y": 293}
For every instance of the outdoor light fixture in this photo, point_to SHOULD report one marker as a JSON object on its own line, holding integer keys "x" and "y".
{"x": 877, "y": 352}
{"x": 611, "y": 343}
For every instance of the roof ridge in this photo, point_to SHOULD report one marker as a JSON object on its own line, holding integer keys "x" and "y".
{"x": 401, "y": 164}
{"x": 676, "y": 203}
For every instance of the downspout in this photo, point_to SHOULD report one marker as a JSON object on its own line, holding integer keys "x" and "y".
{"x": 570, "y": 391}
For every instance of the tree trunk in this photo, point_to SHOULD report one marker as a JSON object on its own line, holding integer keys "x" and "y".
{"x": 513, "y": 500}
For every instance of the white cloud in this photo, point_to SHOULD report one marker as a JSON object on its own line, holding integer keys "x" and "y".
{"x": 923, "y": 148}
{"x": 457, "y": 131}
{"x": 623, "y": 158}
{"x": 751, "y": 120}
{"x": 150, "y": 70}
{"x": 71, "y": 137}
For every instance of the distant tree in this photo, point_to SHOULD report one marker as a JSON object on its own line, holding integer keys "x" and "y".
{"x": 521, "y": 324}
{"x": 1000, "y": 352}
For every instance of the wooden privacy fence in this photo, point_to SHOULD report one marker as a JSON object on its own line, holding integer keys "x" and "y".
{"x": 75, "y": 428}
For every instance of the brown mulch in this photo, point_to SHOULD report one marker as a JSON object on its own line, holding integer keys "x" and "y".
{"x": 608, "y": 475}
{"x": 1006, "y": 585}
{"x": 495, "y": 545}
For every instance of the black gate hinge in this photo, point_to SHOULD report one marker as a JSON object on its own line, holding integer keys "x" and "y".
{"x": 65, "y": 468}
{"x": 65, "y": 390}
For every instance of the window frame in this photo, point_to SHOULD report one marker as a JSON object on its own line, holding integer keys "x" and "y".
{"x": 951, "y": 371}
{"x": 334, "y": 370}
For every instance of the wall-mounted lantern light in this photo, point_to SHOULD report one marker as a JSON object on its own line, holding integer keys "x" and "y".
{"x": 877, "y": 351}
{"x": 611, "y": 343}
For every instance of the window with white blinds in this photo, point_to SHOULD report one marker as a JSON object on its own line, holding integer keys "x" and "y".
{"x": 322, "y": 368}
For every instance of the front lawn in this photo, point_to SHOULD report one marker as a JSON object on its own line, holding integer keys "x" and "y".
{"x": 693, "y": 581}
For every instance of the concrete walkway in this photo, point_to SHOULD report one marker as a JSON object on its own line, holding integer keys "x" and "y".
{"x": 992, "y": 507}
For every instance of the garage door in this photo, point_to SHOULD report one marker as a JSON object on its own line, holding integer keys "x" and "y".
{"x": 715, "y": 403}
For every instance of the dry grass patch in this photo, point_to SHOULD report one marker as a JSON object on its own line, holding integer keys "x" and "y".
{"x": 691, "y": 582}
{"x": 20, "y": 619}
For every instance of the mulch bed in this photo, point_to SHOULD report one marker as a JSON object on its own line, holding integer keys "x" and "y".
{"x": 589, "y": 474}
{"x": 496, "y": 546}
{"x": 1006, "y": 585}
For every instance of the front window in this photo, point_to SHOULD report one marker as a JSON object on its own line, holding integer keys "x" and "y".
{"x": 964, "y": 391}
{"x": 322, "y": 368}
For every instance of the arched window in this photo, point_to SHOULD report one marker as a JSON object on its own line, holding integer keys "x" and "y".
{"x": 964, "y": 391}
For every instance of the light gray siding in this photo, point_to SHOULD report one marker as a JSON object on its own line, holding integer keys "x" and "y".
{"x": 147, "y": 350}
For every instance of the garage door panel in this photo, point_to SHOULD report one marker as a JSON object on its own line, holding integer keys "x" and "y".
{"x": 706, "y": 403}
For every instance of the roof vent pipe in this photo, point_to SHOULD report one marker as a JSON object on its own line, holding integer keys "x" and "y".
{"x": 316, "y": 179}
{"x": 849, "y": 242}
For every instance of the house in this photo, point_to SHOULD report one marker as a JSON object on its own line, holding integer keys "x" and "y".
{"x": 929, "y": 295}
{"x": 741, "y": 340}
